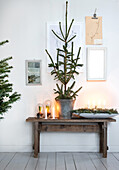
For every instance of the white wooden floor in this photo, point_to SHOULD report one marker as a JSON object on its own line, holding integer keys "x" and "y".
{"x": 59, "y": 161}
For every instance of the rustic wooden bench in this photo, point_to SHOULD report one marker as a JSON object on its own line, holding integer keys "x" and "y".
{"x": 71, "y": 125}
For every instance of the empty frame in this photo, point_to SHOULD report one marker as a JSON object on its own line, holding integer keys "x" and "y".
{"x": 96, "y": 64}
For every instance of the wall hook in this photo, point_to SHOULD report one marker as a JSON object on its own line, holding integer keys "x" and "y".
{"x": 95, "y": 15}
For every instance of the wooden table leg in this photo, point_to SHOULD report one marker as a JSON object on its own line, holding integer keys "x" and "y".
{"x": 38, "y": 142}
{"x": 105, "y": 140}
{"x": 36, "y": 139}
{"x": 39, "y": 129}
{"x": 101, "y": 138}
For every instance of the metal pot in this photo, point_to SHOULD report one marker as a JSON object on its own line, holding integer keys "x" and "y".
{"x": 64, "y": 106}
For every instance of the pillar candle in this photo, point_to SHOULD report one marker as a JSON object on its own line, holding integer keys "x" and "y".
{"x": 45, "y": 113}
{"x": 88, "y": 104}
{"x": 53, "y": 113}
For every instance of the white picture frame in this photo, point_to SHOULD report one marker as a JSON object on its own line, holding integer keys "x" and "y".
{"x": 96, "y": 64}
{"x": 33, "y": 72}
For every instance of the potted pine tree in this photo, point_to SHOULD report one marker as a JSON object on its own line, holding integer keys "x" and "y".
{"x": 64, "y": 70}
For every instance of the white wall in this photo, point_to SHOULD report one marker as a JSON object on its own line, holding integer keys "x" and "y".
{"x": 23, "y": 23}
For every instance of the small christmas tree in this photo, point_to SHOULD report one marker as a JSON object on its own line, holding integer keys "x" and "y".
{"x": 7, "y": 97}
{"x": 64, "y": 70}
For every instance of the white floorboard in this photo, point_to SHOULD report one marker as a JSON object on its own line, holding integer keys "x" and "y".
{"x": 59, "y": 161}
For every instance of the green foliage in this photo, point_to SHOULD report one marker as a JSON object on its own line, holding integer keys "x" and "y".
{"x": 98, "y": 110}
{"x": 64, "y": 70}
{"x": 7, "y": 96}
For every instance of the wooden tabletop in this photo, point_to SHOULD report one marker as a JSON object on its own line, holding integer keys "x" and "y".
{"x": 84, "y": 120}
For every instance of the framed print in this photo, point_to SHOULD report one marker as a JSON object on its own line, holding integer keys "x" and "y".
{"x": 33, "y": 72}
{"x": 96, "y": 64}
{"x": 93, "y": 30}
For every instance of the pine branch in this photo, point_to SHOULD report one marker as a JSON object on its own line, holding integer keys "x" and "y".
{"x": 79, "y": 65}
{"x": 57, "y": 36}
{"x": 69, "y": 28}
{"x": 72, "y": 45}
{"x": 75, "y": 93}
{"x": 78, "y": 59}
{"x": 71, "y": 39}
{"x": 3, "y": 42}
{"x": 50, "y": 58}
{"x": 60, "y": 50}
{"x": 61, "y": 63}
{"x": 78, "y": 53}
{"x": 6, "y": 59}
{"x": 72, "y": 85}
{"x": 57, "y": 59}
{"x": 66, "y": 19}
{"x": 61, "y": 55}
{"x": 55, "y": 71}
{"x": 61, "y": 30}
